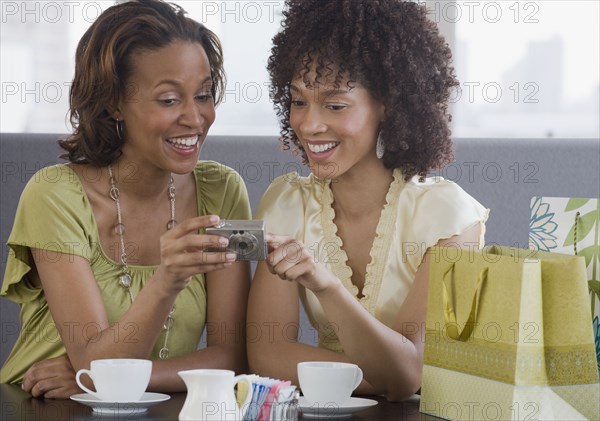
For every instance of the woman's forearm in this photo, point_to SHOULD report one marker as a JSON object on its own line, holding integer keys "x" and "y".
{"x": 133, "y": 335}
{"x": 164, "y": 372}
{"x": 368, "y": 342}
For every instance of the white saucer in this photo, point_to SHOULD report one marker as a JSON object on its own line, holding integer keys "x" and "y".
{"x": 148, "y": 399}
{"x": 332, "y": 410}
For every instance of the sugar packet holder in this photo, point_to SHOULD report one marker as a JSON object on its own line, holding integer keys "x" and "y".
{"x": 285, "y": 406}
{"x": 272, "y": 399}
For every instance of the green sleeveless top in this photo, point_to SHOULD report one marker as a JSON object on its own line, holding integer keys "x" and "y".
{"x": 54, "y": 214}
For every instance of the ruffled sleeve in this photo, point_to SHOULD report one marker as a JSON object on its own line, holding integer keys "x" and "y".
{"x": 441, "y": 209}
{"x": 222, "y": 191}
{"x": 53, "y": 215}
{"x": 284, "y": 204}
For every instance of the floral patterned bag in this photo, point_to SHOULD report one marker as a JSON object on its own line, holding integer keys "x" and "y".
{"x": 571, "y": 226}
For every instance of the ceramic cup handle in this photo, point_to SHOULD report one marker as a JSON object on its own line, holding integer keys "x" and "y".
{"x": 246, "y": 404}
{"x": 358, "y": 378}
{"x": 81, "y": 385}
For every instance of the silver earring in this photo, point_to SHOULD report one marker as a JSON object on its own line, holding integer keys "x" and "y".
{"x": 379, "y": 148}
{"x": 119, "y": 126}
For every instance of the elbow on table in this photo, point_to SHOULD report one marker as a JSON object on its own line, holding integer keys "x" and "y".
{"x": 404, "y": 389}
{"x": 255, "y": 362}
{"x": 399, "y": 396}
{"x": 258, "y": 364}
{"x": 264, "y": 361}
{"x": 231, "y": 357}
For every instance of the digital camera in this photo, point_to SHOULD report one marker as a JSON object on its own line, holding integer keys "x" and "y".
{"x": 246, "y": 238}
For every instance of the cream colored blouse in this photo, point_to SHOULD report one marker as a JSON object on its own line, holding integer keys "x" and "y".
{"x": 416, "y": 216}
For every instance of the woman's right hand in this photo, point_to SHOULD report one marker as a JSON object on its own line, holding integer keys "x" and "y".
{"x": 185, "y": 253}
{"x": 292, "y": 261}
{"x": 51, "y": 378}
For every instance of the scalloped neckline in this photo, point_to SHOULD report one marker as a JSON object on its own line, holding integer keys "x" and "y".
{"x": 379, "y": 249}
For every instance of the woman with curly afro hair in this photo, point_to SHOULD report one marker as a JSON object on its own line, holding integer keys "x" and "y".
{"x": 361, "y": 90}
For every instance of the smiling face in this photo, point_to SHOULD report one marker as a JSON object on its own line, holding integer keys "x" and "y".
{"x": 337, "y": 126}
{"x": 168, "y": 108}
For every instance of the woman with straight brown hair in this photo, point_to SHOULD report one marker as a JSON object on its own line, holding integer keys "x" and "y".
{"x": 108, "y": 258}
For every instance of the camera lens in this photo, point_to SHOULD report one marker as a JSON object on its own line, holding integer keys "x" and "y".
{"x": 243, "y": 243}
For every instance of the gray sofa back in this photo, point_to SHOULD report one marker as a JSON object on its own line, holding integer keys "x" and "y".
{"x": 503, "y": 174}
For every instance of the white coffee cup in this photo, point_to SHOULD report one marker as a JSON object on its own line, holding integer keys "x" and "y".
{"x": 328, "y": 383}
{"x": 118, "y": 379}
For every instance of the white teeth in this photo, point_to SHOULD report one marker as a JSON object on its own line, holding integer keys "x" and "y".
{"x": 183, "y": 141}
{"x": 321, "y": 147}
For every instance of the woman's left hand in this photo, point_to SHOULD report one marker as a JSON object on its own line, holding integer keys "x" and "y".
{"x": 51, "y": 378}
{"x": 290, "y": 260}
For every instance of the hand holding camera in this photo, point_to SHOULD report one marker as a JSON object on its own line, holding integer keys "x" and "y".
{"x": 292, "y": 261}
{"x": 246, "y": 238}
{"x": 184, "y": 253}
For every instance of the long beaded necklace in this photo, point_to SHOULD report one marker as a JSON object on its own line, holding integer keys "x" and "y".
{"x": 125, "y": 277}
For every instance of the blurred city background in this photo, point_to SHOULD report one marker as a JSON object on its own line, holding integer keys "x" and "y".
{"x": 527, "y": 68}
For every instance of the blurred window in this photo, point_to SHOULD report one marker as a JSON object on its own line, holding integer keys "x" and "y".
{"x": 526, "y": 68}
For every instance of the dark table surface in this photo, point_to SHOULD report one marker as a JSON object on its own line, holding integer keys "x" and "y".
{"x": 18, "y": 405}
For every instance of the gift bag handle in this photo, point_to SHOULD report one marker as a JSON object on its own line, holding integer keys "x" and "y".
{"x": 577, "y": 215}
{"x": 449, "y": 313}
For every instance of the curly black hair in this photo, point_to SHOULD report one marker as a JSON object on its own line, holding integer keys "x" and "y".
{"x": 393, "y": 50}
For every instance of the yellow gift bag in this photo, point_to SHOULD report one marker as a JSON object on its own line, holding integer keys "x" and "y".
{"x": 505, "y": 338}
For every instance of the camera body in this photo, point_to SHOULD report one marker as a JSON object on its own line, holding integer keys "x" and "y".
{"x": 246, "y": 238}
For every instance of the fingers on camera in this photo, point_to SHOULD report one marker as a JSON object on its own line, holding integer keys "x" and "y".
{"x": 218, "y": 257}
{"x": 194, "y": 224}
{"x": 217, "y": 241}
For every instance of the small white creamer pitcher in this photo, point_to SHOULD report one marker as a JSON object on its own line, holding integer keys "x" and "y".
{"x": 210, "y": 395}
